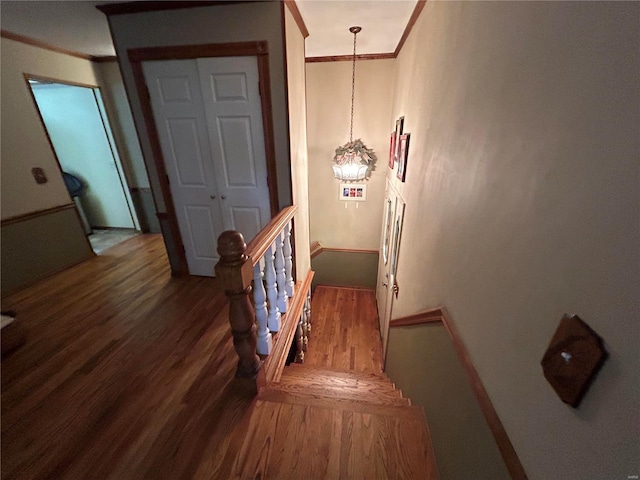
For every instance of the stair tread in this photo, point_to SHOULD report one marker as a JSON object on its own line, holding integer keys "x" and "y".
{"x": 275, "y": 394}
{"x": 300, "y": 369}
{"x": 347, "y": 385}
{"x": 326, "y": 438}
{"x": 363, "y": 393}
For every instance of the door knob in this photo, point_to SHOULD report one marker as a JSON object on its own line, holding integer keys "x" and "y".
{"x": 213, "y": 197}
{"x": 222, "y": 197}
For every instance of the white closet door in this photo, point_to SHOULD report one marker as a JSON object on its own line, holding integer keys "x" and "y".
{"x": 176, "y": 99}
{"x": 234, "y": 118}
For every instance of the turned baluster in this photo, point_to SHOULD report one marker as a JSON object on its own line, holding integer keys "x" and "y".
{"x": 307, "y": 309}
{"x": 288, "y": 262}
{"x": 235, "y": 273}
{"x": 306, "y": 324}
{"x": 265, "y": 343}
{"x": 299, "y": 341}
{"x": 272, "y": 290}
{"x": 280, "y": 275}
{"x": 305, "y": 330}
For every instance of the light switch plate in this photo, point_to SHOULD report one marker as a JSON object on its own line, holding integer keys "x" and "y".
{"x": 38, "y": 175}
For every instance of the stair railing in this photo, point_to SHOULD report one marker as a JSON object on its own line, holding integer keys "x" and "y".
{"x": 266, "y": 326}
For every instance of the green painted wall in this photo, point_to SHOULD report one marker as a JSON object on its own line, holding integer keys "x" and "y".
{"x": 23, "y": 257}
{"x": 146, "y": 210}
{"x": 347, "y": 269}
{"x": 422, "y": 362}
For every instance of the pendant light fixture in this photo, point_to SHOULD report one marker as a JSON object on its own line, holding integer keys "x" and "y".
{"x": 353, "y": 161}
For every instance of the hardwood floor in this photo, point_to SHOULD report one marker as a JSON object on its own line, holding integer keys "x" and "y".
{"x": 127, "y": 373}
{"x": 345, "y": 334}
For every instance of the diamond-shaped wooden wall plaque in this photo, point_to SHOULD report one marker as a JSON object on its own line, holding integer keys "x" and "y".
{"x": 573, "y": 358}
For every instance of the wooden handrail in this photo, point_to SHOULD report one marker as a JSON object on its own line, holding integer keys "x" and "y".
{"x": 258, "y": 246}
{"x": 428, "y": 316}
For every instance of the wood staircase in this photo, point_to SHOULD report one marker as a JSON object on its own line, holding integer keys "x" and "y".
{"x": 324, "y": 423}
{"x": 305, "y": 421}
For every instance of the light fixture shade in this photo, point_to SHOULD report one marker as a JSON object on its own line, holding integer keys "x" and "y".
{"x": 353, "y": 162}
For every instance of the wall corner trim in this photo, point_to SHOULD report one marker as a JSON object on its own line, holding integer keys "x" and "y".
{"x": 122, "y": 8}
{"x": 105, "y": 58}
{"x": 440, "y": 314}
{"x": 315, "y": 249}
{"x": 412, "y": 21}
{"x": 38, "y": 213}
{"x": 297, "y": 16}
{"x": 348, "y": 58}
{"x": 44, "y": 45}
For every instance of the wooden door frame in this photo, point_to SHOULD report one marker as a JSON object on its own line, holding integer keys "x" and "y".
{"x": 260, "y": 50}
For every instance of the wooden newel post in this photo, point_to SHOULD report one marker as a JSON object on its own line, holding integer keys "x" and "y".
{"x": 235, "y": 273}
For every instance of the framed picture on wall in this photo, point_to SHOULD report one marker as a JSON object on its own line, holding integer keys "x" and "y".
{"x": 403, "y": 153}
{"x": 399, "y": 126}
{"x": 354, "y": 192}
{"x": 392, "y": 150}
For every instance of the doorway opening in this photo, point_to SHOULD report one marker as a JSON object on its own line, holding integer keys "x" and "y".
{"x": 75, "y": 121}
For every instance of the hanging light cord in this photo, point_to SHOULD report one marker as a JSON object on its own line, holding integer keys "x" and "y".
{"x": 353, "y": 85}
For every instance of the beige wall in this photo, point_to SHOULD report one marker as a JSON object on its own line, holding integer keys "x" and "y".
{"x": 523, "y": 204}
{"x": 329, "y": 106}
{"x": 24, "y": 141}
{"x": 126, "y": 138}
{"x": 294, "y": 43}
{"x": 121, "y": 120}
{"x": 39, "y": 246}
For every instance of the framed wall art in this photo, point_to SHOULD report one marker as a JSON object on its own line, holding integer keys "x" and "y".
{"x": 399, "y": 126}
{"x": 392, "y": 151}
{"x": 403, "y": 154}
{"x": 353, "y": 192}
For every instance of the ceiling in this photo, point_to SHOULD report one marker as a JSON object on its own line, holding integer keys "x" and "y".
{"x": 78, "y": 26}
{"x": 328, "y": 22}
{"x": 72, "y": 25}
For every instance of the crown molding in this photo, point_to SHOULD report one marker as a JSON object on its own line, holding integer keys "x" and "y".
{"x": 344, "y": 58}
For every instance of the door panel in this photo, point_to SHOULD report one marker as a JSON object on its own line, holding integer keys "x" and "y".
{"x": 185, "y": 152}
{"x": 234, "y": 118}
{"x": 229, "y": 87}
{"x": 176, "y": 100}
{"x": 237, "y": 155}
{"x": 202, "y": 228}
{"x": 246, "y": 220}
{"x": 174, "y": 89}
